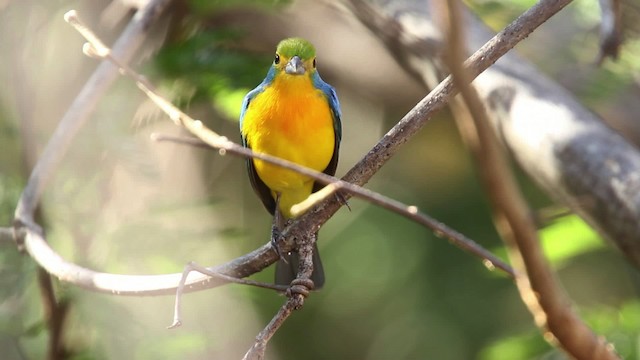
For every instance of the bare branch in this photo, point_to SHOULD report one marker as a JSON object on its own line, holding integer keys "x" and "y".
{"x": 55, "y": 314}
{"x": 297, "y": 293}
{"x": 539, "y": 289}
{"x": 141, "y": 285}
{"x": 257, "y": 351}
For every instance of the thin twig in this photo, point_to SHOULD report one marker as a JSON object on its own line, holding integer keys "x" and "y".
{"x": 538, "y": 287}
{"x": 55, "y": 314}
{"x": 257, "y": 351}
{"x": 191, "y": 266}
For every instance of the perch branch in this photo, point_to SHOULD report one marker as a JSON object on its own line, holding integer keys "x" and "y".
{"x": 297, "y": 293}
{"x": 408, "y": 211}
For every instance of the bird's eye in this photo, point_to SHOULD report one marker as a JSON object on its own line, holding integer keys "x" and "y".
{"x": 314, "y": 63}
{"x": 277, "y": 59}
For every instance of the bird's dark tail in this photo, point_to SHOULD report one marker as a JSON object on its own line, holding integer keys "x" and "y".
{"x": 287, "y": 271}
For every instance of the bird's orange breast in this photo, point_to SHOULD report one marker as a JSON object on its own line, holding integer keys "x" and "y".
{"x": 290, "y": 119}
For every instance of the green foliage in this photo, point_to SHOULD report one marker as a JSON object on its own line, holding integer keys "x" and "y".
{"x": 210, "y": 6}
{"x": 525, "y": 346}
{"x": 211, "y": 66}
{"x": 618, "y": 326}
{"x": 567, "y": 238}
{"x": 175, "y": 347}
{"x": 10, "y": 189}
{"x": 498, "y": 13}
{"x": 614, "y": 77}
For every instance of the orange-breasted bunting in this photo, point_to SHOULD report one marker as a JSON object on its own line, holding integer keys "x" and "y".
{"x": 293, "y": 114}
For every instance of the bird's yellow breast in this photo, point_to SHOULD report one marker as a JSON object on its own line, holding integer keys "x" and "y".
{"x": 290, "y": 119}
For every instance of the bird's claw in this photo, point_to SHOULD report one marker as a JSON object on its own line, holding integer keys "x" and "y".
{"x": 343, "y": 200}
{"x": 276, "y": 236}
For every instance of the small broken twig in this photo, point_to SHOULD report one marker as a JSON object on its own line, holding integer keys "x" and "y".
{"x": 192, "y": 266}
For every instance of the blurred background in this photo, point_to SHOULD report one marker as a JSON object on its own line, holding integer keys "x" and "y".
{"x": 124, "y": 204}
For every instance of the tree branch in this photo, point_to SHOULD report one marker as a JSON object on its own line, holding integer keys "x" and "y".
{"x": 297, "y": 293}
{"x": 55, "y": 314}
{"x": 257, "y": 351}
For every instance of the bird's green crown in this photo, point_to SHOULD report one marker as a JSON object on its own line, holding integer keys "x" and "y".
{"x": 296, "y": 46}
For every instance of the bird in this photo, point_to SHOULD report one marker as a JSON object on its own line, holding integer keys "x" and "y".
{"x": 293, "y": 114}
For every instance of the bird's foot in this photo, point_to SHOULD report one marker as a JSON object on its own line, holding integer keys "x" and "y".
{"x": 276, "y": 239}
{"x": 343, "y": 200}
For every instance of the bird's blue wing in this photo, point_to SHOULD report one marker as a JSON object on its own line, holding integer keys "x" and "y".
{"x": 334, "y": 104}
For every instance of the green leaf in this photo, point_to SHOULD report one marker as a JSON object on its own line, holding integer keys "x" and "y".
{"x": 568, "y": 237}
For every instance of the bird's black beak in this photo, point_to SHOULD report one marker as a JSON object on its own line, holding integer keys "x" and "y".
{"x": 295, "y": 66}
